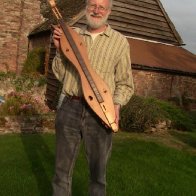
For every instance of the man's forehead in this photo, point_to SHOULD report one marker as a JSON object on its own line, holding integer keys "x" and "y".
{"x": 100, "y": 2}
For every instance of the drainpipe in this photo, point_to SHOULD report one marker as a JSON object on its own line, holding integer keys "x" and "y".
{"x": 171, "y": 85}
{"x": 19, "y": 35}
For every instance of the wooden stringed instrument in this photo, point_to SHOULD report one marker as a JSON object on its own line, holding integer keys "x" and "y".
{"x": 96, "y": 92}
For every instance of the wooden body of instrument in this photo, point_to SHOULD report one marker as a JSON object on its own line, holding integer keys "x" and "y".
{"x": 96, "y": 92}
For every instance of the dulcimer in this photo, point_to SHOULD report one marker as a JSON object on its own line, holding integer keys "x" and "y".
{"x": 96, "y": 92}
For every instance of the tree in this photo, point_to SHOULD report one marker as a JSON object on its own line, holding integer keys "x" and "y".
{"x": 68, "y": 8}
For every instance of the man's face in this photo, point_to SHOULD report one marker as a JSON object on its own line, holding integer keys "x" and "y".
{"x": 97, "y": 12}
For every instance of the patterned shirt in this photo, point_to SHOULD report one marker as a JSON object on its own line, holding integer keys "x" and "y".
{"x": 109, "y": 56}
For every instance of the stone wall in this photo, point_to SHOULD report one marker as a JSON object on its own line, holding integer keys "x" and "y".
{"x": 166, "y": 86}
{"x": 18, "y": 18}
{"x": 27, "y": 124}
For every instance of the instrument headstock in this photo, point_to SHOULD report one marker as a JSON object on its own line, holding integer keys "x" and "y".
{"x": 52, "y": 3}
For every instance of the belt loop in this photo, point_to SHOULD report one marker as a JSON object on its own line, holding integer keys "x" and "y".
{"x": 76, "y": 98}
{"x": 60, "y": 101}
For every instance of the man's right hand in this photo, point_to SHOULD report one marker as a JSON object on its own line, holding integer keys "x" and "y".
{"x": 57, "y": 33}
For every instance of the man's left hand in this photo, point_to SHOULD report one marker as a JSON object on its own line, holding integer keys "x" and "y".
{"x": 117, "y": 113}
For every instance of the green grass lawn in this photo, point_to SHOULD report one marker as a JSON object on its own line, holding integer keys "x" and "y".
{"x": 140, "y": 164}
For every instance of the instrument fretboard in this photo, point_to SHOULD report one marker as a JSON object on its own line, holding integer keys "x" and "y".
{"x": 80, "y": 60}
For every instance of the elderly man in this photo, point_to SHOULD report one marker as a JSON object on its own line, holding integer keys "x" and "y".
{"x": 109, "y": 56}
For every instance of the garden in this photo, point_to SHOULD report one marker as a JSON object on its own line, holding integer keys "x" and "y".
{"x": 154, "y": 153}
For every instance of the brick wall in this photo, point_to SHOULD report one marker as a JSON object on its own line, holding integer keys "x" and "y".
{"x": 148, "y": 83}
{"x": 18, "y": 18}
{"x": 165, "y": 86}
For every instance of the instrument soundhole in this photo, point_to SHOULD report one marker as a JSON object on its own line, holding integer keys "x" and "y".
{"x": 90, "y": 98}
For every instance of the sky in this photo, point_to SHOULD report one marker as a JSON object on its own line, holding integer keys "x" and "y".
{"x": 182, "y": 13}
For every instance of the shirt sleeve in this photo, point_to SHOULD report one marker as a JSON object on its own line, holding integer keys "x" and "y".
{"x": 58, "y": 67}
{"x": 124, "y": 88}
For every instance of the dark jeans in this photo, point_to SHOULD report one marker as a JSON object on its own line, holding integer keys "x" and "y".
{"x": 76, "y": 121}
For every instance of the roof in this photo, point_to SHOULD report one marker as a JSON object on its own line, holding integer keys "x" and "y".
{"x": 46, "y": 25}
{"x": 158, "y": 56}
{"x": 137, "y": 18}
{"x": 145, "y": 19}
{"x": 41, "y": 28}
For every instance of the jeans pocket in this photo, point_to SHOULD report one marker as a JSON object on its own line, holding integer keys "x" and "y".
{"x": 61, "y": 111}
{"x": 60, "y": 101}
{"x": 63, "y": 102}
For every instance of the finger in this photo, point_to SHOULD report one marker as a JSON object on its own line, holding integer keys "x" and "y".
{"x": 55, "y": 36}
{"x": 57, "y": 32}
{"x": 106, "y": 126}
{"x": 117, "y": 121}
{"x": 56, "y": 29}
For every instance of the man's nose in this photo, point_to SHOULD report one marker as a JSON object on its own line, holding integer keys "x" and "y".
{"x": 96, "y": 10}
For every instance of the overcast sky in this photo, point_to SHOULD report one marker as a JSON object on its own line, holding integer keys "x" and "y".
{"x": 183, "y": 15}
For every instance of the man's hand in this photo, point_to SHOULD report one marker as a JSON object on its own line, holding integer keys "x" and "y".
{"x": 57, "y": 32}
{"x": 117, "y": 113}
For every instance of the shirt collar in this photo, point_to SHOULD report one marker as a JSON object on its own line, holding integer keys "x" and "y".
{"x": 107, "y": 31}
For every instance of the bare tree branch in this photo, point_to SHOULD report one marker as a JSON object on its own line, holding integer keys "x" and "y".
{"x": 67, "y": 8}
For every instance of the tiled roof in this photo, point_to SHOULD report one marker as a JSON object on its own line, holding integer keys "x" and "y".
{"x": 138, "y": 18}
{"x": 160, "y": 56}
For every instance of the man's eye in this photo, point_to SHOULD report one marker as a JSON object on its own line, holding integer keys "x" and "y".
{"x": 101, "y": 8}
{"x": 93, "y": 6}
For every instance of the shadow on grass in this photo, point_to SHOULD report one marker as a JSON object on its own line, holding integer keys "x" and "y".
{"x": 41, "y": 160}
{"x": 80, "y": 183}
{"x": 188, "y": 138}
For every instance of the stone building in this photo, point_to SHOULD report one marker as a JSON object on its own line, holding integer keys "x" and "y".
{"x": 161, "y": 67}
{"x": 18, "y": 18}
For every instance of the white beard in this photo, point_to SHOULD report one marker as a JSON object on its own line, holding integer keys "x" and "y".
{"x": 95, "y": 24}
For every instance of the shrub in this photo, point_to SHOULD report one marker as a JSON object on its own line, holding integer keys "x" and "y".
{"x": 35, "y": 61}
{"x": 19, "y": 104}
{"x": 4, "y": 75}
{"x": 26, "y": 82}
{"x": 141, "y": 113}
{"x": 23, "y": 82}
{"x": 180, "y": 119}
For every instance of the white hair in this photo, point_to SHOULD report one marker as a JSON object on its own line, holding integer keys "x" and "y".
{"x": 110, "y": 1}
